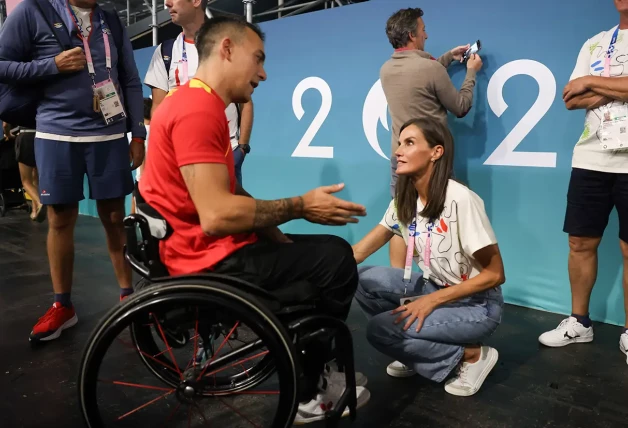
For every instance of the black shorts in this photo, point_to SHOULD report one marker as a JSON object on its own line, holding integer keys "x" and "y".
{"x": 590, "y": 200}
{"x": 25, "y": 148}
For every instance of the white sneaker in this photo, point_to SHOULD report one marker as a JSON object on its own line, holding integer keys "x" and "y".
{"x": 623, "y": 344}
{"x": 397, "y": 369}
{"x": 335, "y": 376}
{"x": 568, "y": 331}
{"x": 332, "y": 389}
{"x": 470, "y": 377}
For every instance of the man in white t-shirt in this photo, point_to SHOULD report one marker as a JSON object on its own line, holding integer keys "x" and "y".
{"x": 190, "y": 15}
{"x": 599, "y": 178}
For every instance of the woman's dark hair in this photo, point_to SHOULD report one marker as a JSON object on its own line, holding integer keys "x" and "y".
{"x": 406, "y": 195}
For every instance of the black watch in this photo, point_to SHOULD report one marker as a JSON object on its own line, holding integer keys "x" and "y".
{"x": 245, "y": 148}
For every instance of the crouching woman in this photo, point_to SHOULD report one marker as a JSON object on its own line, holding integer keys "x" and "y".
{"x": 434, "y": 324}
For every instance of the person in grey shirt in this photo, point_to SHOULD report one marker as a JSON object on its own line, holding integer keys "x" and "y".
{"x": 417, "y": 86}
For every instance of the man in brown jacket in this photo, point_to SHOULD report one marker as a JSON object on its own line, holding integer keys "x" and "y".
{"x": 417, "y": 85}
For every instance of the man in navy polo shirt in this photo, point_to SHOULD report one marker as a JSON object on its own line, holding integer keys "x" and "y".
{"x": 88, "y": 94}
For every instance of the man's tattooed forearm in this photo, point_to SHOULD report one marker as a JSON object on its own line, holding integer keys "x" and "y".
{"x": 274, "y": 213}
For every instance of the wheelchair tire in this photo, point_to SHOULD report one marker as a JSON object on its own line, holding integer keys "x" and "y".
{"x": 3, "y": 205}
{"x": 267, "y": 327}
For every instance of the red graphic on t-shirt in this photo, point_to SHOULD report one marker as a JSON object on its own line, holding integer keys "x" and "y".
{"x": 443, "y": 226}
{"x": 176, "y": 77}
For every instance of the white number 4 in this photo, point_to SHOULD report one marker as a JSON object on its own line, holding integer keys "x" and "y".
{"x": 505, "y": 153}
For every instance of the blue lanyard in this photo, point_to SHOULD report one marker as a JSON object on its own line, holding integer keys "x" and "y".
{"x": 609, "y": 53}
{"x": 611, "y": 47}
{"x": 184, "y": 55}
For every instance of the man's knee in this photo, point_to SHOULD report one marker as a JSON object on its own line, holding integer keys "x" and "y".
{"x": 339, "y": 256}
{"x": 62, "y": 216}
{"x": 583, "y": 245}
{"x": 111, "y": 212}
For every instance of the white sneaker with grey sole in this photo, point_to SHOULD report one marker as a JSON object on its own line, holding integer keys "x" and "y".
{"x": 398, "y": 369}
{"x": 470, "y": 377}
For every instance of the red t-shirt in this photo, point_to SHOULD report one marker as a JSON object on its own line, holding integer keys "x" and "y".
{"x": 189, "y": 127}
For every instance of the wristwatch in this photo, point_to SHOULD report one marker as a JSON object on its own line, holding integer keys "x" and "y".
{"x": 245, "y": 148}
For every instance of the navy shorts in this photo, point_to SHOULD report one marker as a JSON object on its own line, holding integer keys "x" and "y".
{"x": 62, "y": 167}
{"x": 590, "y": 200}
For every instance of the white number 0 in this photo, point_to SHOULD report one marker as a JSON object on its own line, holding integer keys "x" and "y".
{"x": 303, "y": 149}
{"x": 505, "y": 153}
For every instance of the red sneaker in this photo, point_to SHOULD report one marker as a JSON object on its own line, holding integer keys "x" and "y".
{"x": 50, "y": 326}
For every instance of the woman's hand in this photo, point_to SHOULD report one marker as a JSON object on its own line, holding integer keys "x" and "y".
{"x": 417, "y": 310}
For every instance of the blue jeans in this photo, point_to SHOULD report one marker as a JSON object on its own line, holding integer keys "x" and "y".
{"x": 238, "y": 160}
{"x": 438, "y": 347}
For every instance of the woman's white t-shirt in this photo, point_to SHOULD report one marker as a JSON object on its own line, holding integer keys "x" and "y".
{"x": 462, "y": 229}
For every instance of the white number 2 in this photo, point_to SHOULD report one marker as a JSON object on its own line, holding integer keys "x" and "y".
{"x": 303, "y": 149}
{"x": 505, "y": 153}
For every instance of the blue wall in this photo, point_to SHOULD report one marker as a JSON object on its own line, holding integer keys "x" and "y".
{"x": 527, "y": 46}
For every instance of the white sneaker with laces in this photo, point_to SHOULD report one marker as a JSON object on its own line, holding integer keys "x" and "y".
{"x": 470, "y": 377}
{"x": 623, "y": 344}
{"x": 397, "y": 369}
{"x": 568, "y": 331}
{"x": 333, "y": 386}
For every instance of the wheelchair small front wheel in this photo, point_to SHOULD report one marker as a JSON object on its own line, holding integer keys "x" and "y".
{"x": 190, "y": 391}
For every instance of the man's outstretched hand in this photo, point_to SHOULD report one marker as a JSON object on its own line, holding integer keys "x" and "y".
{"x": 320, "y": 206}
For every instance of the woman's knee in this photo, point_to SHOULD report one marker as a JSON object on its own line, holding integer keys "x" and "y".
{"x": 377, "y": 278}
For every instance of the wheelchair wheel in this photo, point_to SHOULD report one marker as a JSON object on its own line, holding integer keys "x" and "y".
{"x": 147, "y": 339}
{"x": 3, "y": 205}
{"x": 192, "y": 384}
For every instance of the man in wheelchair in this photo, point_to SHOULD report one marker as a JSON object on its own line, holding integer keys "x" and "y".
{"x": 216, "y": 226}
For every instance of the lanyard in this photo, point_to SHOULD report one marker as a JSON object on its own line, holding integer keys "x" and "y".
{"x": 88, "y": 52}
{"x": 184, "y": 62}
{"x": 609, "y": 53}
{"x": 407, "y": 273}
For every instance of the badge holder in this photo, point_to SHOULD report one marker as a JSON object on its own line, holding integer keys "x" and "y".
{"x": 108, "y": 102}
{"x": 614, "y": 128}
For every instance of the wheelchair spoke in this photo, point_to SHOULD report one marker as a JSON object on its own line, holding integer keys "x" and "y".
{"x": 147, "y": 355}
{"x": 195, "y": 338}
{"x": 239, "y": 413}
{"x": 163, "y": 337}
{"x": 174, "y": 412}
{"x": 241, "y": 365}
{"x": 145, "y": 405}
{"x": 135, "y": 385}
{"x": 219, "y": 348}
{"x": 261, "y": 354}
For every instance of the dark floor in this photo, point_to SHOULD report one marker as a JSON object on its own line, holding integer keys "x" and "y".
{"x": 576, "y": 386}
